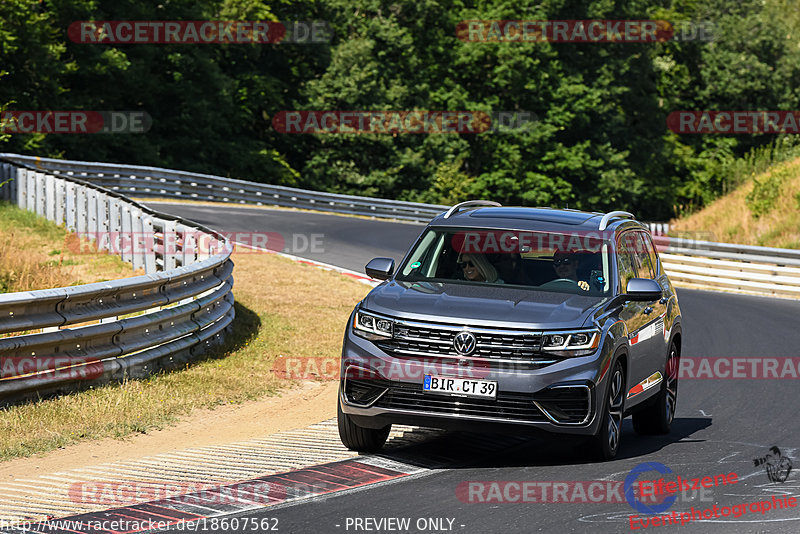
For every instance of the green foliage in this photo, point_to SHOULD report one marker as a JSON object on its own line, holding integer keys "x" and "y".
{"x": 761, "y": 200}
{"x": 450, "y": 184}
{"x": 758, "y": 160}
{"x": 599, "y": 141}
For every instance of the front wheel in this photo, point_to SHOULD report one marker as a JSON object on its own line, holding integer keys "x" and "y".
{"x": 657, "y": 418}
{"x": 605, "y": 443}
{"x": 357, "y": 438}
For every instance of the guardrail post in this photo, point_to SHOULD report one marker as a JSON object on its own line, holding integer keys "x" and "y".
{"x": 101, "y": 199}
{"x": 126, "y": 237}
{"x": 41, "y": 200}
{"x": 30, "y": 191}
{"x": 50, "y": 197}
{"x": 14, "y": 184}
{"x": 22, "y": 188}
{"x": 80, "y": 209}
{"x": 91, "y": 207}
{"x": 70, "y": 194}
{"x": 203, "y": 242}
{"x": 138, "y": 239}
{"x": 149, "y": 238}
{"x": 114, "y": 225}
{"x": 61, "y": 201}
{"x": 170, "y": 245}
{"x": 189, "y": 244}
{"x": 11, "y": 186}
{"x": 5, "y": 174}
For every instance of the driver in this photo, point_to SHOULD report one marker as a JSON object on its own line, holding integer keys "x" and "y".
{"x": 565, "y": 264}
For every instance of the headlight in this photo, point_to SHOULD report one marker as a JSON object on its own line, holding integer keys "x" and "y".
{"x": 580, "y": 343}
{"x": 371, "y": 326}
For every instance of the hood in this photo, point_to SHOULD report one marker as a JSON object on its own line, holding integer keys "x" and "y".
{"x": 476, "y": 305}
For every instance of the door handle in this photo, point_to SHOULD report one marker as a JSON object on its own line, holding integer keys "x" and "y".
{"x": 648, "y": 310}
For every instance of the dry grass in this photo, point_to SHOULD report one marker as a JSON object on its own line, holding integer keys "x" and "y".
{"x": 729, "y": 220}
{"x": 283, "y": 308}
{"x": 35, "y": 254}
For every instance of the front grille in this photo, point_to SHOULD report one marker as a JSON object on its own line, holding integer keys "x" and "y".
{"x": 568, "y": 404}
{"x": 506, "y": 406}
{"x": 416, "y": 339}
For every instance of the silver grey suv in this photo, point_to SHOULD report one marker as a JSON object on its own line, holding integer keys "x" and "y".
{"x": 515, "y": 319}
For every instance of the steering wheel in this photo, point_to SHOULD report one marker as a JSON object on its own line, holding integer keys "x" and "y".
{"x": 560, "y": 283}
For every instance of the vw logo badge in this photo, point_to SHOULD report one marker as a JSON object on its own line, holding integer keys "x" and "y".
{"x": 464, "y": 343}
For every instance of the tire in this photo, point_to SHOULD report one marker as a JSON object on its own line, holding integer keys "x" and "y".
{"x": 605, "y": 444}
{"x": 357, "y": 438}
{"x": 657, "y": 418}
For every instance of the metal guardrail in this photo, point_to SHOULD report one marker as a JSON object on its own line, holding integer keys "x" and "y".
{"x": 152, "y": 182}
{"x": 681, "y": 256}
{"x": 95, "y": 333}
{"x": 742, "y": 268}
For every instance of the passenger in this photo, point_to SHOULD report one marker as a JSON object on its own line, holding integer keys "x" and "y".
{"x": 476, "y": 268}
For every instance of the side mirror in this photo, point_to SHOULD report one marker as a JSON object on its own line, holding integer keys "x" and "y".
{"x": 380, "y": 268}
{"x": 643, "y": 289}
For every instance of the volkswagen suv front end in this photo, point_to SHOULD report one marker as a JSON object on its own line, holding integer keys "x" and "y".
{"x": 515, "y": 319}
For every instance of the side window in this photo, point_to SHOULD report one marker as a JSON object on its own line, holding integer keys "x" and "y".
{"x": 626, "y": 260}
{"x": 644, "y": 262}
{"x": 421, "y": 255}
{"x": 651, "y": 251}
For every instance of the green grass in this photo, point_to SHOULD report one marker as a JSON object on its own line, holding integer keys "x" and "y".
{"x": 34, "y": 254}
{"x": 282, "y": 308}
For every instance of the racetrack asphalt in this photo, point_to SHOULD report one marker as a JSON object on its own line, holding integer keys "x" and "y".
{"x": 721, "y": 426}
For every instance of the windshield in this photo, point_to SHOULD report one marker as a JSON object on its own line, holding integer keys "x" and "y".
{"x": 568, "y": 263}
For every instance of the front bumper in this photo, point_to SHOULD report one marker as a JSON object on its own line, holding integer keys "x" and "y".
{"x": 377, "y": 389}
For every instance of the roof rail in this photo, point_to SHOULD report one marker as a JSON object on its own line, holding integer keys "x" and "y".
{"x": 610, "y": 215}
{"x": 475, "y": 203}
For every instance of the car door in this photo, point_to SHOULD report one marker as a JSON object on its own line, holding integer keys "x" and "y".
{"x": 651, "y": 334}
{"x": 633, "y": 313}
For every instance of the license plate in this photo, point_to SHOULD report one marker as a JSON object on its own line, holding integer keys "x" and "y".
{"x": 464, "y": 387}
